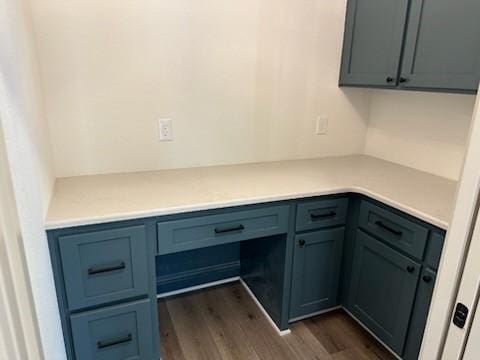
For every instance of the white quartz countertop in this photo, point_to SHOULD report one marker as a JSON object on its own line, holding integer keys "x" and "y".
{"x": 95, "y": 199}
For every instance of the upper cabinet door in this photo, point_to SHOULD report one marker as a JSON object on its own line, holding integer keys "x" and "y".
{"x": 442, "y": 46}
{"x": 373, "y": 42}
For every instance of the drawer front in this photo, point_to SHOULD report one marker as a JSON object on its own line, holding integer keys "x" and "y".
{"x": 321, "y": 213}
{"x": 393, "y": 229}
{"x": 104, "y": 266}
{"x": 188, "y": 234}
{"x": 120, "y": 332}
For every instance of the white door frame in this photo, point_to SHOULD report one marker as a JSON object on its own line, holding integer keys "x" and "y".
{"x": 472, "y": 349}
{"x": 19, "y": 332}
{"x": 456, "y": 243}
{"x": 467, "y": 295}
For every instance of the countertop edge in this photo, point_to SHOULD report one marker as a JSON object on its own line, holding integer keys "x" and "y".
{"x": 57, "y": 225}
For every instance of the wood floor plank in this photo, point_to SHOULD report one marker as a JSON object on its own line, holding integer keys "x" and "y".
{"x": 302, "y": 338}
{"x": 170, "y": 346}
{"x": 225, "y": 323}
{"x": 229, "y": 337}
{"x": 325, "y": 328}
{"x": 192, "y": 332}
{"x": 354, "y": 354}
{"x": 265, "y": 340}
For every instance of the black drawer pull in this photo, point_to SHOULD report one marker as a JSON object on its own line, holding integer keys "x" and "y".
{"x": 403, "y": 80}
{"x": 388, "y": 228}
{"x": 115, "y": 341}
{"x": 427, "y": 278}
{"x": 301, "y": 242}
{"x": 323, "y": 216}
{"x": 229, "y": 229}
{"x": 390, "y": 79}
{"x": 410, "y": 269}
{"x": 106, "y": 268}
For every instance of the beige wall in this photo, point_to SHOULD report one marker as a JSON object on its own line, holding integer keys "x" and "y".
{"x": 427, "y": 131}
{"x": 28, "y": 151}
{"x": 243, "y": 81}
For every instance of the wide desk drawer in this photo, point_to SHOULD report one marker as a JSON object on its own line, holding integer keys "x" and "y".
{"x": 203, "y": 231}
{"x": 317, "y": 214}
{"x": 117, "y": 332}
{"x": 394, "y": 229}
{"x": 104, "y": 266}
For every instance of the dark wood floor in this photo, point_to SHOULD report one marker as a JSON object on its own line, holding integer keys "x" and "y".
{"x": 224, "y": 323}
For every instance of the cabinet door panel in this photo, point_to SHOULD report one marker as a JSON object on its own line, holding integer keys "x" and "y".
{"x": 442, "y": 50}
{"x": 316, "y": 271}
{"x": 372, "y": 46}
{"x": 420, "y": 314}
{"x": 383, "y": 290}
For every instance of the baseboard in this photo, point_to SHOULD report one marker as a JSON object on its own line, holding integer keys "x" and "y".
{"x": 197, "y": 287}
{"x": 265, "y": 313}
{"x": 371, "y": 333}
{"x": 197, "y": 276}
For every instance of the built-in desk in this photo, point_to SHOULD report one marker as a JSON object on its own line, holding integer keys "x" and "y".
{"x": 303, "y": 236}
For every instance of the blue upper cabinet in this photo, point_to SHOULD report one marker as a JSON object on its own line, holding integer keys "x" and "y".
{"x": 442, "y": 50}
{"x": 416, "y": 44}
{"x": 373, "y": 42}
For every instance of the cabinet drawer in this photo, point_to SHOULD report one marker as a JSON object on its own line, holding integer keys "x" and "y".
{"x": 393, "y": 229}
{"x": 118, "y": 332}
{"x": 193, "y": 233}
{"x": 104, "y": 266}
{"x": 321, "y": 213}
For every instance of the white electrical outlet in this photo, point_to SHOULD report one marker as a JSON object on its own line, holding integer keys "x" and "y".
{"x": 322, "y": 125}
{"x": 165, "y": 130}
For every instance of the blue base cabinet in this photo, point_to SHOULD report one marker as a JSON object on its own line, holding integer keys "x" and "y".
{"x": 298, "y": 258}
{"x": 106, "y": 290}
{"x": 383, "y": 290}
{"x": 389, "y": 271}
{"x": 317, "y": 255}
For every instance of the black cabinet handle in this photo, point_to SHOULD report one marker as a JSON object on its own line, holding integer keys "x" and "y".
{"x": 229, "y": 229}
{"x": 402, "y": 80}
{"x": 427, "y": 278}
{"x": 388, "y": 228}
{"x": 323, "y": 216}
{"x": 106, "y": 268}
{"x": 301, "y": 242}
{"x": 389, "y": 79}
{"x": 410, "y": 269}
{"x": 114, "y": 341}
